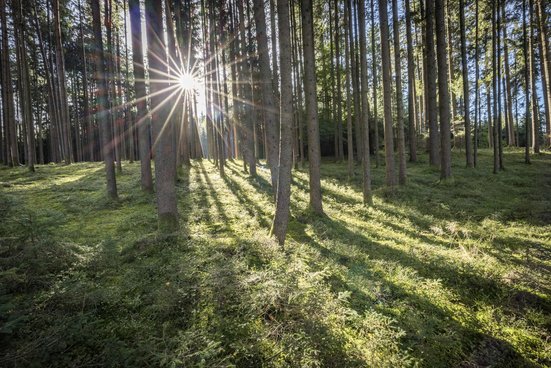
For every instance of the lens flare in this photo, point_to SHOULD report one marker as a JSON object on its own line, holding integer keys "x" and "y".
{"x": 187, "y": 82}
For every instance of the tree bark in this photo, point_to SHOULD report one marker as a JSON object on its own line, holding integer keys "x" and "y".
{"x": 466, "y": 93}
{"x": 387, "y": 90}
{"x": 431, "y": 85}
{"x": 101, "y": 98}
{"x": 411, "y": 89}
{"x": 402, "y": 174}
{"x": 366, "y": 164}
{"x": 165, "y": 155}
{"x": 142, "y": 117}
{"x": 443, "y": 92}
{"x": 283, "y": 197}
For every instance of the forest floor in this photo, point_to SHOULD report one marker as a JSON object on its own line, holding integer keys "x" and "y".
{"x": 435, "y": 274}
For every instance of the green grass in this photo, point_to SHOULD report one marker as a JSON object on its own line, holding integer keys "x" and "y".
{"x": 435, "y": 274}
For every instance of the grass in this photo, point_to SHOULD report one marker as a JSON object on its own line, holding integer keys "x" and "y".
{"x": 435, "y": 274}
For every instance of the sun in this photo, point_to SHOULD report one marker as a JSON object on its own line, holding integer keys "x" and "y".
{"x": 187, "y": 82}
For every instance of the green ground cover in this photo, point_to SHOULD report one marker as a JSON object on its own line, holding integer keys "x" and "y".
{"x": 435, "y": 274}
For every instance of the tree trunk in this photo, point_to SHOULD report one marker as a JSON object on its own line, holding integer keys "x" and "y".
{"x": 283, "y": 197}
{"x": 348, "y": 63}
{"x": 402, "y": 174}
{"x": 102, "y": 112}
{"x": 165, "y": 155}
{"x": 366, "y": 164}
{"x": 375, "y": 104}
{"x": 431, "y": 85}
{"x": 411, "y": 89}
{"x": 466, "y": 93}
{"x": 545, "y": 61}
{"x": 142, "y": 118}
{"x": 310, "y": 92}
{"x": 63, "y": 100}
{"x": 527, "y": 116}
{"x": 533, "y": 77}
{"x": 387, "y": 90}
{"x": 443, "y": 92}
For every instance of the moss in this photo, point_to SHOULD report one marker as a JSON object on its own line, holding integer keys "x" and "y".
{"x": 434, "y": 274}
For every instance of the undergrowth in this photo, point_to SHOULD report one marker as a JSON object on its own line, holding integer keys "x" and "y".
{"x": 435, "y": 274}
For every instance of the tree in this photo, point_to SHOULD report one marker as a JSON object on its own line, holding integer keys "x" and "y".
{"x": 465, "y": 74}
{"x": 267, "y": 91}
{"x": 411, "y": 89}
{"x": 142, "y": 117}
{"x": 387, "y": 90}
{"x": 283, "y": 196}
{"x": 314, "y": 155}
{"x": 527, "y": 115}
{"x": 399, "y": 103}
{"x": 61, "y": 83}
{"x": 443, "y": 92}
{"x": 102, "y": 113}
{"x": 165, "y": 154}
{"x": 431, "y": 84}
{"x": 366, "y": 164}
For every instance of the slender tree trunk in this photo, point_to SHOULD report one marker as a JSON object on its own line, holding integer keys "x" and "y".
{"x": 283, "y": 197}
{"x": 466, "y": 93}
{"x": 545, "y": 62}
{"x": 387, "y": 90}
{"x": 60, "y": 65}
{"x": 431, "y": 85}
{"x": 443, "y": 92}
{"x": 375, "y": 104}
{"x": 165, "y": 155}
{"x": 476, "y": 94}
{"x": 402, "y": 174}
{"x": 25, "y": 85}
{"x": 527, "y": 116}
{"x": 534, "y": 100}
{"x": 314, "y": 155}
{"x": 102, "y": 113}
{"x": 7, "y": 92}
{"x": 411, "y": 88}
{"x": 366, "y": 164}
{"x": 508, "y": 95}
{"x": 142, "y": 117}
{"x": 348, "y": 60}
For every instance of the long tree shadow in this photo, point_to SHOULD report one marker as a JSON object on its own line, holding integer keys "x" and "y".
{"x": 427, "y": 340}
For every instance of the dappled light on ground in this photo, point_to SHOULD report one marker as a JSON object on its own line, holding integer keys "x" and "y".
{"x": 436, "y": 273}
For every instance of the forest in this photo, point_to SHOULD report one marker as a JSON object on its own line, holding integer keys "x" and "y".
{"x": 275, "y": 183}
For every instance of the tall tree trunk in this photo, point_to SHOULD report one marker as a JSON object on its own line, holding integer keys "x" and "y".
{"x": 165, "y": 155}
{"x": 7, "y": 92}
{"x": 508, "y": 95}
{"x": 527, "y": 116}
{"x": 411, "y": 89}
{"x": 466, "y": 93}
{"x": 142, "y": 117}
{"x": 63, "y": 99}
{"x": 102, "y": 112}
{"x": 283, "y": 197}
{"x": 366, "y": 164}
{"x": 476, "y": 94}
{"x": 431, "y": 85}
{"x": 443, "y": 92}
{"x": 348, "y": 62}
{"x": 533, "y": 77}
{"x": 387, "y": 90}
{"x": 375, "y": 104}
{"x": 310, "y": 92}
{"x": 25, "y": 85}
{"x": 402, "y": 174}
{"x": 545, "y": 61}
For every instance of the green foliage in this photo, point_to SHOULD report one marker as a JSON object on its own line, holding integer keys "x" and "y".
{"x": 435, "y": 274}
